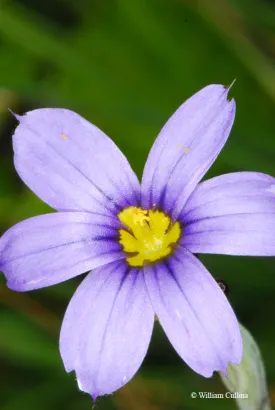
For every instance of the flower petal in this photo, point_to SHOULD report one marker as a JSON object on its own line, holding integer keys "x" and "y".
{"x": 232, "y": 214}
{"x": 194, "y": 313}
{"x": 107, "y": 328}
{"x": 72, "y": 165}
{"x": 49, "y": 249}
{"x": 186, "y": 147}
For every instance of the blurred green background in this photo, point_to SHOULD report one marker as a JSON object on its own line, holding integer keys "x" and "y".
{"x": 126, "y": 65}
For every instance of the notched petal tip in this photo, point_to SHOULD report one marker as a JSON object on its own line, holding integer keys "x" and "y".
{"x": 228, "y": 88}
{"x": 17, "y": 116}
{"x": 94, "y": 397}
{"x": 86, "y": 389}
{"x": 231, "y": 85}
{"x": 81, "y": 388}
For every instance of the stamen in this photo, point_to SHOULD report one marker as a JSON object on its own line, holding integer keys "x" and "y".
{"x": 149, "y": 235}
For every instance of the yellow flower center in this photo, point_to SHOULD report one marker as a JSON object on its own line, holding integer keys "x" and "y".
{"x": 149, "y": 235}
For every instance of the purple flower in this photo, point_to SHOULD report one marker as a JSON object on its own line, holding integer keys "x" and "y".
{"x": 137, "y": 239}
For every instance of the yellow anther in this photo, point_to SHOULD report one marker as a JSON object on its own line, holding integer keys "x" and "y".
{"x": 148, "y": 236}
{"x": 186, "y": 150}
{"x": 140, "y": 216}
{"x": 64, "y": 137}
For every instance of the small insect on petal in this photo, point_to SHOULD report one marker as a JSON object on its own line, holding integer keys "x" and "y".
{"x": 223, "y": 285}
